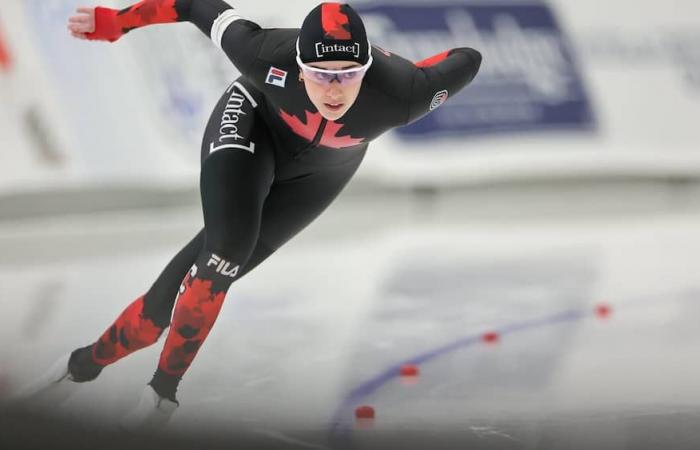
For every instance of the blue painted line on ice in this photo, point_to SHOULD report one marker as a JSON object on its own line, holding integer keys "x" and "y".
{"x": 394, "y": 371}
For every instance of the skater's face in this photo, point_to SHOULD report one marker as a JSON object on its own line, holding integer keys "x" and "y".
{"x": 333, "y": 95}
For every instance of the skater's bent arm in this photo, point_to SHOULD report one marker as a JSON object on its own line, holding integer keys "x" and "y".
{"x": 440, "y": 77}
{"x": 239, "y": 38}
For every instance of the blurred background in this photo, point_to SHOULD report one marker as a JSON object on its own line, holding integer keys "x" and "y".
{"x": 554, "y": 202}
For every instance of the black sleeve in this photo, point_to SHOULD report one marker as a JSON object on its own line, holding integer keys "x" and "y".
{"x": 242, "y": 42}
{"x": 440, "y": 77}
{"x": 240, "y": 39}
{"x": 202, "y": 13}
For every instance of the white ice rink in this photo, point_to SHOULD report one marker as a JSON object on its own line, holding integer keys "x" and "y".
{"x": 324, "y": 325}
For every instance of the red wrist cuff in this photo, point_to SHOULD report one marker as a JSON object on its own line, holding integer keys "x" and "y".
{"x": 106, "y": 26}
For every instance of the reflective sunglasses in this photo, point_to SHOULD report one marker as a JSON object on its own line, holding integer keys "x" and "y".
{"x": 326, "y": 77}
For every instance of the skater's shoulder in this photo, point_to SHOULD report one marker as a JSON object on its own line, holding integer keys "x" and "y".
{"x": 390, "y": 74}
{"x": 279, "y": 46}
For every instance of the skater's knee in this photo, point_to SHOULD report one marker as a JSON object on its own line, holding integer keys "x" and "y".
{"x": 158, "y": 305}
{"x": 160, "y": 317}
{"x": 235, "y": 248}
{"x": 219, "y": 265}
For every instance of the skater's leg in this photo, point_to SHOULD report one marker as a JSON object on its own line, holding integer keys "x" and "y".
{"x": 234, "y": 184}
{"x": 159, "y": 301}
{"x": 149, "y": 315}
{"x": 292, "y": 205}
{"x": 153, "y": 310}
{"x": 289, "y": 208}
{"x": 141, "y": 323}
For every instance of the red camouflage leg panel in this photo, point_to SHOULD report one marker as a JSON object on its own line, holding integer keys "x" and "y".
{"x": 129, "y": 333}
{"x": 195, "y": 313}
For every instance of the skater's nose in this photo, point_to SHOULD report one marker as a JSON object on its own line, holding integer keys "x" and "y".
{"x": 334, "y": 93}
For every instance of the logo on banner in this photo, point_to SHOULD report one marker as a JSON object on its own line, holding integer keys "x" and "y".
{"x": 276, "y": 77}
{"x": 530, "y": 81}
{"x": 439, "y": 99}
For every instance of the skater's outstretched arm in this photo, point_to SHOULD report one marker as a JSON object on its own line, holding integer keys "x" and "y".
{"x": 212, "y": 17}
{"x": 441, "y": 76}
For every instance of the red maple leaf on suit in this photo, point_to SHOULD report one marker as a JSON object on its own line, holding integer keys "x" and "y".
{"x": 308, "y": 130}
{"x": 331, "y": 139}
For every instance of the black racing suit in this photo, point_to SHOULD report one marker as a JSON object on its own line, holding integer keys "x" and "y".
{"x": 270, "y": 163}
{"x": 310, "y": 158}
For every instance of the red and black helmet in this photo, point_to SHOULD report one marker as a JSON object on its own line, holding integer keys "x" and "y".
{"x": 333, "y": 32}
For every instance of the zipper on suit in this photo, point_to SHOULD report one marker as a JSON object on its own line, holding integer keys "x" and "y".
{"x": 319, "y": 133}
{"x": 316, "y": 140}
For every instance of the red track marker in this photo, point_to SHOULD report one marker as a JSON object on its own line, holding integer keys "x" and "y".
{"x": 364, "y": 412}
{"x": 409, "y": 370}
{"x": 491, "y": 337}
{"x": 409, "y": 374}
{"x": 603, "y": 311}
{"x": 364, "y": 417}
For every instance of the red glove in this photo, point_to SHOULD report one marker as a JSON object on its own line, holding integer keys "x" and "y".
{"x": 106, "y": 26}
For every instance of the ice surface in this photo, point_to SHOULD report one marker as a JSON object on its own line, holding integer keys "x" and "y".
{"x": 316, "y": 330}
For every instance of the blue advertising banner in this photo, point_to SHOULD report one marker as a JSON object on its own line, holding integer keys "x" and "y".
{"x": 529, "y": 79}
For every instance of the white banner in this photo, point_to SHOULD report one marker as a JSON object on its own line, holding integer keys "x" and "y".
{"x": 565, "y": 90}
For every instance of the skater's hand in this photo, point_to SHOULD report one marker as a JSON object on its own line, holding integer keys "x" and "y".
{"x": 95, "y": 24}
{"x": 82, "y": 23}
